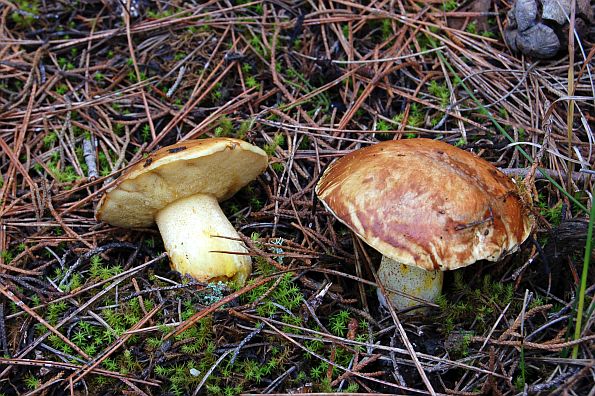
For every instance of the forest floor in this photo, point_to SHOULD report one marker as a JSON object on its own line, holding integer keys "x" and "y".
{"x": 89, "y": 87}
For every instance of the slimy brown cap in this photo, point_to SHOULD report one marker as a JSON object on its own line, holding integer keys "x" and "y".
{"x": 426, "y": 203}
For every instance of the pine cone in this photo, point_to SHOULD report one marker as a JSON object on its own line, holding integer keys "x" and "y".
{"x": 539, "y": 28}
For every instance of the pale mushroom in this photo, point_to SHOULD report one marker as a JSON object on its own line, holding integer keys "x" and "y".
{"x": 427, "y": 207}
{"x": 179, "y": 187}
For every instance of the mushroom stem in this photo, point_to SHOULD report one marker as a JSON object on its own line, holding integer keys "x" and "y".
{"x": 411, "y": 281}
{"x": 191, "y": 229}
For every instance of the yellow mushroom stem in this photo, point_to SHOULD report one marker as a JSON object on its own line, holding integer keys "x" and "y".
{"x": 410, "y": 281}
{"x": 191, "y": 229}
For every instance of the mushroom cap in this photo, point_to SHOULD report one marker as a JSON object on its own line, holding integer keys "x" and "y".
{"x": 216, "y": 166}
{"x": 426, "y": 203}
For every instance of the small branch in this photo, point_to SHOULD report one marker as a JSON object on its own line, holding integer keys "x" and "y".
{"x": 213, "y": 367}
{"x": 176, "y": 84}
{"x": 522, "y": 172}
{"x": 90, "y": 158}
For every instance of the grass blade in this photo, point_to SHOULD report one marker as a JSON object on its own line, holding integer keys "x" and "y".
{"x": 583, "y": 286}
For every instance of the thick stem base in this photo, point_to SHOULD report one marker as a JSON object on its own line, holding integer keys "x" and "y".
{"x": 190, "y": 228}
{"x": 412, "y": 281}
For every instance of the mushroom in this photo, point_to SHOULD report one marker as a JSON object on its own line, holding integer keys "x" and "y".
{"x": 179, "y": 187}
{"x": 427, "y": 207}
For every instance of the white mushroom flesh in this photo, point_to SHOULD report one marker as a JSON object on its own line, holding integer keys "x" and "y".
{"x": 201, "y": 242}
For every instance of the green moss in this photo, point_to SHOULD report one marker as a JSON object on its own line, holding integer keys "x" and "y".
{"x": 278, "y": 167}
{"x": 338, "y": 323}
{"x": 65, "y": 64}
{"x": 479, "y": 305}
{"x": 7, "y": 256}
{"x": 61, "y": 89}
{"x": 225, "y": 127}
{"x": 26, "y": 14}
{"x": 553, "y": 214}
{"x": 103, "y": 271}
{"x": 156, "y": 14}
{"x": 416, "y": 116}
{"x": 472, "y": 27}
{"x": 450, "y": 5}
{"x": 252, "y": 83}
{"x": 258, "y": 45}
{"x": 278, "y": 140}
{"x": 133, "y": 78}
{"x": 50, "y": 139}
{"x": 32, "y": 382}
{"x": 441, "y": 91}
{"x": 54, "y": 312}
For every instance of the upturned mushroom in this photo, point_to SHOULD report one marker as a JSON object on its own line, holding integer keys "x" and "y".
{"x": 179, "y": 187}
{"x": 427, "y": 207}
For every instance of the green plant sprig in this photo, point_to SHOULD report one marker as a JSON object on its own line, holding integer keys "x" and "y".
{"x": 583, "y": 285}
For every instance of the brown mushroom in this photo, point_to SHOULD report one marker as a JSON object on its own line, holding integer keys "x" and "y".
{"x": 179, "y": 187}
{"x": 427, "y": 207}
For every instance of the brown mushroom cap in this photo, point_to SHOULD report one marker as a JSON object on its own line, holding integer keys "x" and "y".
{"x": 426, "y": 203}
{"x": 217, "y": 166}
